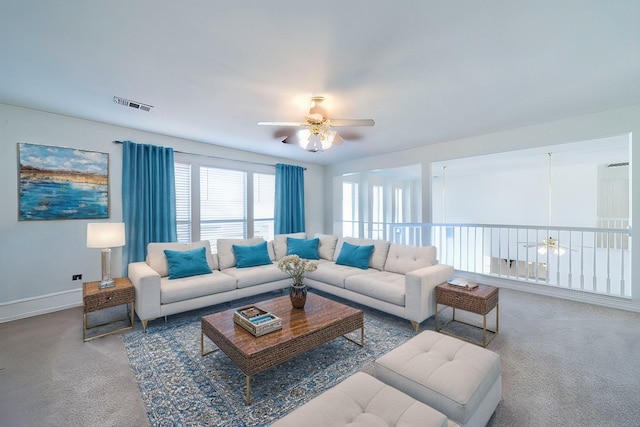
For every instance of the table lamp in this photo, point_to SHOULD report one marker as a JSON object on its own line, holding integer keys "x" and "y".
{"x": 105, "y": 235}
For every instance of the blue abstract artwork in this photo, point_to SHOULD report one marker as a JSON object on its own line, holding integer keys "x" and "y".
{"x": 62, "y": 183}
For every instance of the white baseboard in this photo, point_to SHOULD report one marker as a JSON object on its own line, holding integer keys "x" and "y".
{"x": 42, "y": 304}
{"x": 557, "y": 292}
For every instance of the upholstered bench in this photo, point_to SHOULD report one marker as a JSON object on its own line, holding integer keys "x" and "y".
{"x": 362, "y": 400}
{"x": 459, "y": 379}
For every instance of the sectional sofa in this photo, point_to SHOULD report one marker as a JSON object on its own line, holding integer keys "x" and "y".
{"x": 397, "y": 279}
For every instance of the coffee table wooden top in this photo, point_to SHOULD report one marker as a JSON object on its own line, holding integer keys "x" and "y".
{"x": 321, "y": 321}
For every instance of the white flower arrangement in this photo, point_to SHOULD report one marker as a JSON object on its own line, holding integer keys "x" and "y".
{"x": 296, "y": 267}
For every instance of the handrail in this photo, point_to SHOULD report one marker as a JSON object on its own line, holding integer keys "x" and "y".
{"x": 588, "y": 259}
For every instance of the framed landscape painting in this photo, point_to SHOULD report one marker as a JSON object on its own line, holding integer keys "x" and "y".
{"x": 62, "y": 183}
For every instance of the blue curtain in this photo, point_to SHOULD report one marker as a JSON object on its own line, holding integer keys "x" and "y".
{"x": 148, "y": 198}
{"x": 289, "y": 203}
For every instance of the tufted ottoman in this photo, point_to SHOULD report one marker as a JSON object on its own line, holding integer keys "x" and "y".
{"x": 362, "y": 400}
{"x": 461, "y": 380}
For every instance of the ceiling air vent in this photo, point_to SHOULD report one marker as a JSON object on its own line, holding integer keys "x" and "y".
{"x": 132, "y": 104}
{"x": 617, "y": 165}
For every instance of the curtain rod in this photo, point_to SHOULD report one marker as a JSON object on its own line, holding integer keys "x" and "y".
{"x": 219, "y": 158}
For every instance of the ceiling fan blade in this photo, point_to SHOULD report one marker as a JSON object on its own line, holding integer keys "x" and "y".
{"x": 337, "y": 140}
{"x": 350, "y": 136}
{"x": 286, "y": 135}
{"x": 296, "y": 124}
{"x": 352, "y": 122}
{"x": 532, "y": 245}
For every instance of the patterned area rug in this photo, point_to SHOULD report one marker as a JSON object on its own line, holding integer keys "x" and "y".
{"x": 179, "y": 387}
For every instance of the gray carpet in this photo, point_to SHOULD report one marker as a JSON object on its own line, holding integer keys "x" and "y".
{"x": 50, "y": 377}
{"x": 564, "y": 363}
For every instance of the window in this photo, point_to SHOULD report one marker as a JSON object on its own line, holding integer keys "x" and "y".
{"x": 350, "y": 216}
{"x": 397, "y": 205}
{"x": 214, "y": 203}
{"x": 377, "y": 212}
{"x": 263, "y": 205}
{"x": 371, "y": 201}
{"x": 183, "y": 201}
{"x": 223, "y": 204}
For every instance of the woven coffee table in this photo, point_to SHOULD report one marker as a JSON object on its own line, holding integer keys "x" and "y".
{"x": 321, "y": 321}
{"x": 480, "y": 300}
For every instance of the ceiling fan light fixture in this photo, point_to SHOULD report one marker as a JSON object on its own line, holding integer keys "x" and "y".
{"x": 330, "y": 135}
{"x": 315, "y": 118}
{"x": 315, "y": 141}
{"x": 316, "y": 132}
{"x": 552, "y": 246}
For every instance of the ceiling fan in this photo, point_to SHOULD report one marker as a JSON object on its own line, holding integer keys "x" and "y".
{"x": 550, "y": 245}
{"x": 316, "y": 133}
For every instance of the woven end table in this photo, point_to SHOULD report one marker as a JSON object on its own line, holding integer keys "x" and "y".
{"x": 94, "y": 298}
{"x": 480, "y": 300}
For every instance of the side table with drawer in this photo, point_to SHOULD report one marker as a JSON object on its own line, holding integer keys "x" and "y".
{"x": 94, "y": 299}
{"x": 480, "y": 300}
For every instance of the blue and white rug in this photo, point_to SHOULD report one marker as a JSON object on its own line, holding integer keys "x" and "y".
{"x": 179, "y": 387}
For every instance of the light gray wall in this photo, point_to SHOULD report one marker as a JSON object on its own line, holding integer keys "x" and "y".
{"x": 38, "y": 258}
{"x": 581, "y": 128}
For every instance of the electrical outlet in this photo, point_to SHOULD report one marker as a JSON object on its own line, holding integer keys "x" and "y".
{"x": 76, "y": 277}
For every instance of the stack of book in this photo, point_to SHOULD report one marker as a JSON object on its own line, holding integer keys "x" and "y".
{"x": 463, "y": 283}
{"x": 256, "y": 320}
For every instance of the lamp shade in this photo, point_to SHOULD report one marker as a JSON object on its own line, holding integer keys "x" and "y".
{"x": 105, "y": 235}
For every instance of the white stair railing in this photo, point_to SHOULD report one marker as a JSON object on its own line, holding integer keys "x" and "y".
{"x": 595, "y": 260}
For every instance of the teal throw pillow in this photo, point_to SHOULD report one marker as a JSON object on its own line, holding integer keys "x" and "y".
{"x": 187, "y": 263}
{"x": 355, "y": 256}
{"x": 251, "y": 255}
{"x": 304, "y": 248}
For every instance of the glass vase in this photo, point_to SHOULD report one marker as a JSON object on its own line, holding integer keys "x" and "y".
{"x": 298, "y": 295}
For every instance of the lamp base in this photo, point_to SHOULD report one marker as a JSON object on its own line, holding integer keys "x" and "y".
{"x": 107, "y": 281}
{"x": 106, "y": 284}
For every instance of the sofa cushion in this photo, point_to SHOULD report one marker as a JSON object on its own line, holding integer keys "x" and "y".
{"x": 187, "y": 263}
{"x": 381, "y": 285}
{"x": 251, "y": 255}
{"x": 247, "y": 277}
{"x": 362, "y": 400}
{"x": 380, "y": 250}
{"x": 327, "y": 246}
{"x": 334, "y": 274}
{"x": 280, "y": 243}
{"x": 304, "y": 248}
{"x": 403, "y": 259}
{"x": 195, "y": 286}
{"x": 226, "y": 256}
{"x": 354, "y": 255}
{"x": 157, "y": 260}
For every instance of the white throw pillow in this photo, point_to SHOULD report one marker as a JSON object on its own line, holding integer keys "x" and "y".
{"x": 327, "y": 246}
{"x": 280, "y": 243}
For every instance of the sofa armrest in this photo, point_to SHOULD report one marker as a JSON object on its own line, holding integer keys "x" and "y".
{"x": 420, "y": 290}
{"x": 146, "y": 282}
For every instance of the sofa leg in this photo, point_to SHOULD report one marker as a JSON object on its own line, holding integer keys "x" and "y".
{"x": 416, "y": 326}
{"x": 165, "y": 319}
{"x": 144, "y": 326}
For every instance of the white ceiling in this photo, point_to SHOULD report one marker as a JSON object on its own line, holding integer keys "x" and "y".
{"x": 426, "y": 71}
